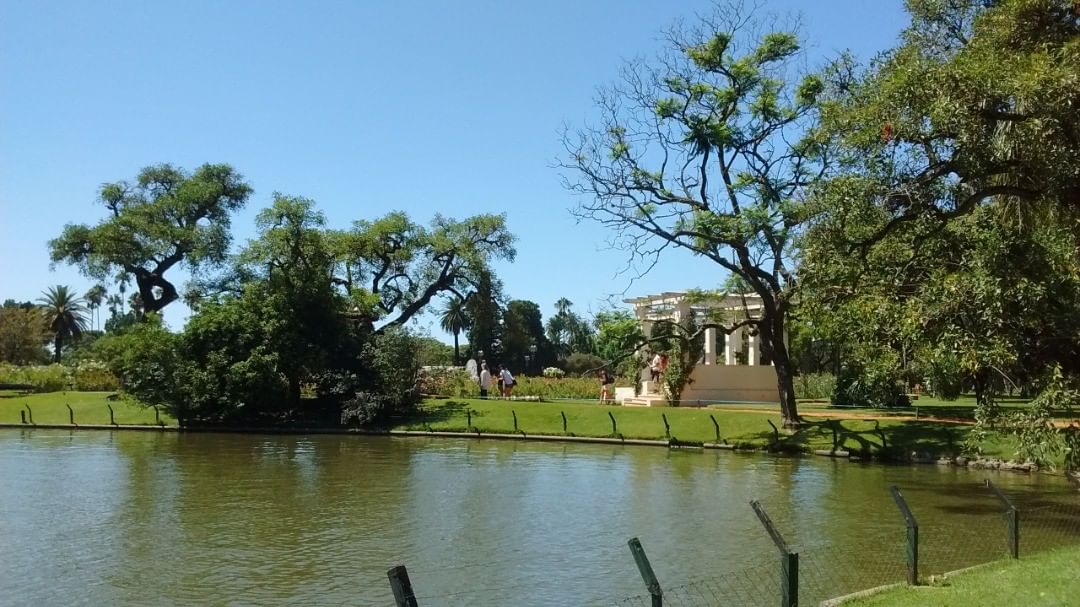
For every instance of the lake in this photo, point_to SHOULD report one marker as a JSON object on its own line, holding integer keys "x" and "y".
{"x": 132, "y": 518}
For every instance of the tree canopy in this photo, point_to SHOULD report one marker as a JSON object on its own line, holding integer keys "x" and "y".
{"x": 167, "y": 217}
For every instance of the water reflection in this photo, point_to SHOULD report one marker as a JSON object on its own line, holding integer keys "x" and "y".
{"x": 135, "y": 519}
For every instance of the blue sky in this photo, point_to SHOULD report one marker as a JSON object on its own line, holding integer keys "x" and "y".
{"x": 366, "y": 107}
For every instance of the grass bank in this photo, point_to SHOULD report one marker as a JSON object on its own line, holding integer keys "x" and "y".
{"x": 740, "y": 425}
{"x": 1044, "y": 579}
{"x": 90, "y": 408}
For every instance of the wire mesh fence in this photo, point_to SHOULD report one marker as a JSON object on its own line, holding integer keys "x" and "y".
{"x": 819, "y": 570}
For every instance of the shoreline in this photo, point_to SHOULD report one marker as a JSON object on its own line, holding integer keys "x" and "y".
{"x": 854, "y": 457}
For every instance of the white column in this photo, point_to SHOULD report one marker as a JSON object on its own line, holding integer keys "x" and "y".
{"x": 710, "y": 346}
{"x": 752, "y": 350}
{"x": 734, "y": 345}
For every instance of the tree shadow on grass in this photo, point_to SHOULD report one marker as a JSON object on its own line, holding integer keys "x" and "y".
{"x": 893, "y": 441}
{"x": 441, "y": 413}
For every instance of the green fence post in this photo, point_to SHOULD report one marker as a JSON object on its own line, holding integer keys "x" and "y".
{"x": 646, "y": 571}
{"x": 775, "y": 431}
{"x": 22, "y": 415}
{"x": 789, "y": 561}
{"x": 112, "y": 415}
{"x": 912, "y": 535}
{"x": 667, "y": 428}
{"x": 716, "y": 427}
{"x": 71, "y": 414}
{"x": 563, "y": 414}
{"x": 468, "y": 416}
{"x": 30, "y": 412}
{"x": 614, "y": 427}
{"x": 1012, "y": 515}
{"x": 514, "y": 413}
{"x": 402, "y": 587}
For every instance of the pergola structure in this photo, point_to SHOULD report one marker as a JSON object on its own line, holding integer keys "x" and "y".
{"x": 676, "y": 306}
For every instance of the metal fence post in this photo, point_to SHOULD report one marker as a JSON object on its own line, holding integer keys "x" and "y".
{"x": 647, "y": 575}
{"x": 716, "y": 428}
{"x": 563, "y": 414}
{"x": 71, "y": 414}
{"x": 1012, "y": 515}
{"x": 468, "y": 417}
{"x": 514, "y": 413}
{"x": 112, "y": 416}
{"x": 402, "y": 587}
{"x": 789, "y": 561}
{"x": 667, "y": 427}
{"x": 912, "y": 535}
{"x": 30, "y": 412}
{"x": 614, "y": 427}
{"x": 22, "y": 414}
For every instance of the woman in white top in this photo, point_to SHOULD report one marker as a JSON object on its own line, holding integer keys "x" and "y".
{"x": 508, "y": 382}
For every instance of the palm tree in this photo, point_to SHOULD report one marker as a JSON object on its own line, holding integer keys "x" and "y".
{"x": 64, "y": 313}
{"x": 94, "y": 298}
{"x": 455, "y": 319}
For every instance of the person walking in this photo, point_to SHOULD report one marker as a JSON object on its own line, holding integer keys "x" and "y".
{"x": 607, "y": 383}
{"x": 654, "y": 367}
{"x": 507, "y": 383}
{"x": 485, "y": 380}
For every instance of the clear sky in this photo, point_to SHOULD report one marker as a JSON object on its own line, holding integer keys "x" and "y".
{"x": 364, "y": 106}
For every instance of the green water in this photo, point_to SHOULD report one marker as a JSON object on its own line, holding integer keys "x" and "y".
{"x": 115, "y": 518}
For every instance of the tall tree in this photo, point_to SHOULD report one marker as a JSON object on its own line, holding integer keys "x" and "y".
{"x": 710, "y": 149}
{"x": 23, "y": 335}
{"x": 94, "y": 297}
{"x": 567, "y": 331}
{"x": 397, "y": 267}
{"x": 166, "y": 218}
{"x": 65, "y": 315}
{"x": 524, "y": 342}
{"x": 485, "y": 334}
{"x": 979, "y": 102}
{"x": 455, "y": 320}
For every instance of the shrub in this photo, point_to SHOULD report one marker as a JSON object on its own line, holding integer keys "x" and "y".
{"x": 579, "y": 363}
{"x": 554, "y": 373}
{"x": 868, "y": 387}
{"x": 549, "y": 389}
{"x": 44, "y": 378}
{"x": 817, "y": 386}
{"x": 94, "y": 376}
{"x": 448, "y": 381}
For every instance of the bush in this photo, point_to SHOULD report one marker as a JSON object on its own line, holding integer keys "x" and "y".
{"x": 546, "y": 388}
{"x": 869, "y": 387}
{"x": 448, "y": 381}
{"x": 393, "y": 389}
{"x": 44, "y": 378}
{"x": 554, "y": 373}
{"x": 817, "y": 386}
{"x": 94, "y": 376}
{"x": 579, "y": 363}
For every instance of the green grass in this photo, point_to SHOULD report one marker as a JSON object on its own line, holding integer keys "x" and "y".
{"x": 90, "y": 408}
{"x": 587, "y": 419}
{"x": 743, "y": 428}
{"x": 1048, "y": 578}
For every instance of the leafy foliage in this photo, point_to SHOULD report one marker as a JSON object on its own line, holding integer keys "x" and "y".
{"x": 23, "y": 335}
{"x": 166, "y": 218}
{"x": 711, "y": 149}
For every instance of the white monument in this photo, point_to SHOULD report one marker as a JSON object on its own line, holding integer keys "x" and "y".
{"x": 736, "y": 376}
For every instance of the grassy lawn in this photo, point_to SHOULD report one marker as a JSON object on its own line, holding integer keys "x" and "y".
{"x": 740, "y": 424}
{"x": 1048, "y": 578}
{"x": 89, "y": 407}
{"x": 739, "y": 427}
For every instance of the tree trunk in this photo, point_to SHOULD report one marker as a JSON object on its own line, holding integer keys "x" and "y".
{"x": 457, "y": 354}
{"x": 58, "y": 344}
{"x": 772, "y": 339}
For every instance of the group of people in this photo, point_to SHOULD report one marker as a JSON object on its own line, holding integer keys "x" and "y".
{"x": 502, "y": 380}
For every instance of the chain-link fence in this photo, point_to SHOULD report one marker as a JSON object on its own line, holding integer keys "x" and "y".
{"x": 909, "y": 543}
